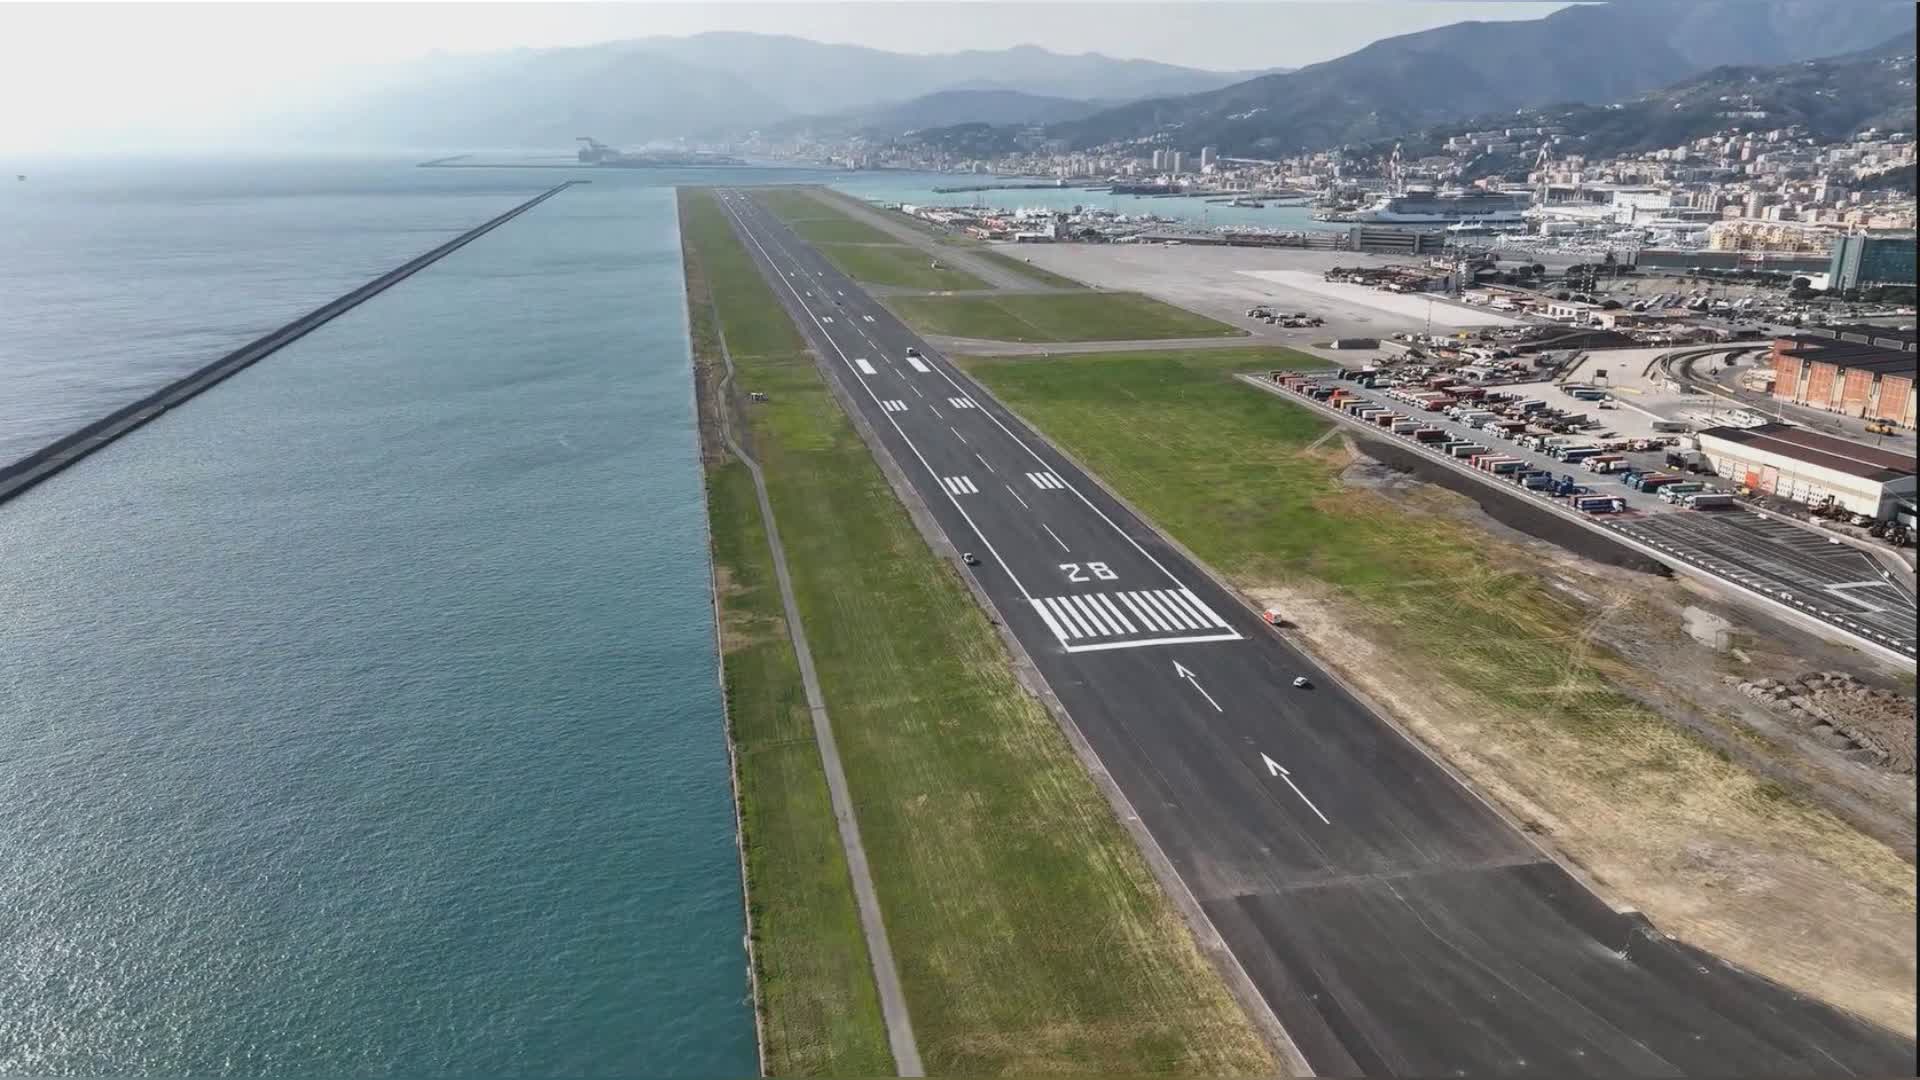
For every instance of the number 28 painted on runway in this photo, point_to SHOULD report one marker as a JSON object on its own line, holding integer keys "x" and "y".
{"x": 1097, "y": 569}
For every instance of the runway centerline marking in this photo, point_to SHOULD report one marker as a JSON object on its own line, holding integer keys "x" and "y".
{"x": 1016, "y": 496}
{"x": 847, "y": 361}
{"x": 1050, "y": 532}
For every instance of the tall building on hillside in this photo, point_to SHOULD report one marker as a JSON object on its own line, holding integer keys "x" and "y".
{"x": 1208, "y": 155}
{"x": 1871, "y": 260}
{"x": 1179, "y": 163}
{"x": 1159, "y": 161}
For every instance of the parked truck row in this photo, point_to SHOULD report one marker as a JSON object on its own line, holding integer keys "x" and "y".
{"x": 1505, "y": 418}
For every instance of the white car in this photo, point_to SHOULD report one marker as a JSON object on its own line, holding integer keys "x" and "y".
{"x": 1301, "y": 681}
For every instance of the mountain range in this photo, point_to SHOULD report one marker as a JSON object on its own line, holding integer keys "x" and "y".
{"x": 729, "y": 84}
{"x": 1597, "y": 53}
{"x": 724, "y": 83}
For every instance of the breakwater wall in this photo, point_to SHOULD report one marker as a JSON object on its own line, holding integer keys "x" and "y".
{"x": 20, "y": 475}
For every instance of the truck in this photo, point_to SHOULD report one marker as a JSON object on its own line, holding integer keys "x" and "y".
{"x": 1673, "y": 493}
{"x": 1604, "y": 463}
{"x": 1574, "y": 455}
{"x": 1710, "y": 500}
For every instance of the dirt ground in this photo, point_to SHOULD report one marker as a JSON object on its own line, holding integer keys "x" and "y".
{"x": 1815, "y": 906}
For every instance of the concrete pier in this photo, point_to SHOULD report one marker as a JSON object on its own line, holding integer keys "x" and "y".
{"x": 20, "y": 475}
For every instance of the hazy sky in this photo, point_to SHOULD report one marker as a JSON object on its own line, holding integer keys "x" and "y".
{"x": 69, "y": 71}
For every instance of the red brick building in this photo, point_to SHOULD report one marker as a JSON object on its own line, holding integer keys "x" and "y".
{"x": 1847, "y": 377}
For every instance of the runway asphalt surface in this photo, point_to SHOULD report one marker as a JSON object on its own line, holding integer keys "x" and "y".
{"x": 1393, "y": 922}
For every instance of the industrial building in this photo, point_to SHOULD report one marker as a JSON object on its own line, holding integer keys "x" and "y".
{"x": 1846, "y": 377}
{"x": 1871, "y": 260}
{"x": 1796, "y": 464}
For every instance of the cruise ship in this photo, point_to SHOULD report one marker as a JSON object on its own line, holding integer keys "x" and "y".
{"x": 1428, "y": 207}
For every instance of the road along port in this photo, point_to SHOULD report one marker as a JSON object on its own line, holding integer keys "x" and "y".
{"x": 1324, "y": 878}
{"x": 18, "y": 476}
{"x": 1029, "y": 934}
{"x": 1564, "y": 688}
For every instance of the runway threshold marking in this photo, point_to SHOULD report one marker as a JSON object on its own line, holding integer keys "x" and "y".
{"x": 962, "y": 403}
{"x": 958, "y": 485}
{"x": 914, "y": 363}
{"x": 894, "y": 405}
{"x": 1046, "y": 480}
{"x": 1274, "y": 768}
{"x": 1168, "y": 616}
{"x": 865, "y": 368}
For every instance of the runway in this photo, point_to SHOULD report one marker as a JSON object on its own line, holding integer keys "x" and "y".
{"x": 1391, "y": 920}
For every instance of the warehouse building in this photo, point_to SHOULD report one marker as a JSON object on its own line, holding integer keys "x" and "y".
{"x": 1864, "y": 380}
{"x": 1796, "y": 464}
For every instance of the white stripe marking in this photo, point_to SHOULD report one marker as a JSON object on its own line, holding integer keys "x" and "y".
{"x": 869, "y": 318}
{"x": 1151, "y": 621}
{"x": 1179, "y": 605}
{"x": 1204, "y": 609}
{"x": 1149, "y": 642}
{"x": 1050, "y": 532}
{"x": 1094, "y": 615}
{"x": 981, "y": 460}
{"x": 956, "y": 433}
{"x": 865, "y": 368}
{"x": 1114, "y": 613}
{"x": 915, "y": 364}
{"x": 1016, "y": 497}
{"x": 1068, "y": 617}
{"x": 1047, "y": 617}
{"x": 1174, "y": 613}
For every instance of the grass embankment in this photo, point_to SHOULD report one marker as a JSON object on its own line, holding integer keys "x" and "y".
{"x": 1021, "y": 266}
{"x": 818, "y": 1006}
{"x": 897, "y": 265}
{"x": 1029, "y": 933}
{"x": 1460, "y": 634}
{"x": 1078, "y": 316}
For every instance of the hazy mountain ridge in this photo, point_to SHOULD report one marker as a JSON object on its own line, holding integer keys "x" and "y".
{"x": 946, "y": 108}
{"x": 659, "y": 88}
{"x": 1597, "y": 54}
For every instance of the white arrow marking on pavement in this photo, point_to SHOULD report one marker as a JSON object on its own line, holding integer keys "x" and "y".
{"x": 1188, "y": 675}
{"x": 1274, "y": 768}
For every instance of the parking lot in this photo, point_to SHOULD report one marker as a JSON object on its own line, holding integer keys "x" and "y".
{"x": 1835, "y": 583}
{"x": 1831, "y": 581}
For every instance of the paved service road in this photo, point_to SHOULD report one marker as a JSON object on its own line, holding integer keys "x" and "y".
{"x": 1394, "y": 923}
{"x": 1829, "y": 580}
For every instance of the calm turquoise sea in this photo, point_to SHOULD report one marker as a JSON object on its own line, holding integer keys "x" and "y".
{"x": 360, "y": 716}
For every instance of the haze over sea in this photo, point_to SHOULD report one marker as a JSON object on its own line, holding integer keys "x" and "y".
{"x": 360, "y": 715}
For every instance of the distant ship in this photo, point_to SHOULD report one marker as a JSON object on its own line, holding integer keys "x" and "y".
{"x": 1428, "y": 207}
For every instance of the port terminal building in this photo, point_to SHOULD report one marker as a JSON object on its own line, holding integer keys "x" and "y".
{"x": 1793, "y": 463}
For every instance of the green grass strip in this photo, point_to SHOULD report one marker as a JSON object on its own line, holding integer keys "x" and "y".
{"x": 1080, "y": 316}
{"x": 897, "y": 265}
{"x": 818, "y": 1006}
